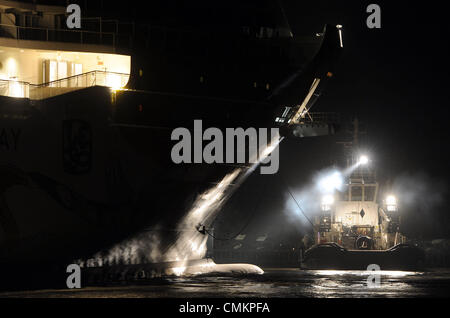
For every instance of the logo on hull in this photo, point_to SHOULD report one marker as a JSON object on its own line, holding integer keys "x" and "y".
{"x": 77, "y": 146}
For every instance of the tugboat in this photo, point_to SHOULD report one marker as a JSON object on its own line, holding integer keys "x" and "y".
{"x": 359, "y": 223}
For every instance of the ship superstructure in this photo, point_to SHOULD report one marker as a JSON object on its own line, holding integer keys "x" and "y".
{"x": 40, "y": 59}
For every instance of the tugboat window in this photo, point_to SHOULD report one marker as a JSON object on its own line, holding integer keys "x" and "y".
{"x": 369, "y": 193}
{"x": 356, "y": 193}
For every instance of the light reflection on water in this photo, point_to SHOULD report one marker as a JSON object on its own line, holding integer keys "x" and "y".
{"x": 332, "y": 284}
{"x": 286, "y": 283}
{"x": 365, "y": 273}
{"x": 297, "y": 283}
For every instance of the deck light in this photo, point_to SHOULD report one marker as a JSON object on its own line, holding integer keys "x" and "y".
{"x": 327, "y": 202}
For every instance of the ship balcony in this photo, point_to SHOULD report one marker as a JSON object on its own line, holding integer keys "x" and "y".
{"x": 20, "y": 89}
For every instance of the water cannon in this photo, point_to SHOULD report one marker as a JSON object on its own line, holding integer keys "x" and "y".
{"x": 391, "y": 203}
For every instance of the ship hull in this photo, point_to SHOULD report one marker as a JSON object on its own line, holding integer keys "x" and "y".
{"x": 78, "y": 177}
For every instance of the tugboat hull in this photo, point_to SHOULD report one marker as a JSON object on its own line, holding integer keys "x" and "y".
{"x": 333, "y": 256}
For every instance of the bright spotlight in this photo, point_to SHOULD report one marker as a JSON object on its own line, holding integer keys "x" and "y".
{"x": 331, "y": 182}
{"x": 327, "y": 202}
{"x": 363, "y": 160}
{"x": 391, "y": 203}
{"x": 391, "y": 200}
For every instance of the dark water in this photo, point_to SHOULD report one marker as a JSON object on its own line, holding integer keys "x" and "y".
{"x": 273, "y": 283}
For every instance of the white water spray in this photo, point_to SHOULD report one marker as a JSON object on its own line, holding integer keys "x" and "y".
{"x": 190, "y": 243}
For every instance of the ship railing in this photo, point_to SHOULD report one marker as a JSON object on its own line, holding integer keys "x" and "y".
{"x": 14, "y": 88}
{"x": 57, "y": 35}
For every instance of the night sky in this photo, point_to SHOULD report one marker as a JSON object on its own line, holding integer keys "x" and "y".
{"x": 394, "y": 79}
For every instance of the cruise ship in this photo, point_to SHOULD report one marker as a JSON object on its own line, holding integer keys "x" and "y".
{"x": 86, "y": 117}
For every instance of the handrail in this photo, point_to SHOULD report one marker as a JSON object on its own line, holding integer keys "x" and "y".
{"x": 13, "y": 88}
{"x": 13, "y": 80}
{"x": 48, "y": 31}
{"x": 74, "y": 76}
{"x": 59, "y": 30}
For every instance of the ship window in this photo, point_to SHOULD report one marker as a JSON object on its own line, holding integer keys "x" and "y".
{"x": 62, "y": 73}
{"x": 56, "y": 70}
{"x": 78, "y": 69}
{"x": 75, "y": 69}
{"x": 356, "y": 193}
{"x": 369, "y": 193}
{"x": 53, "y": 71}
